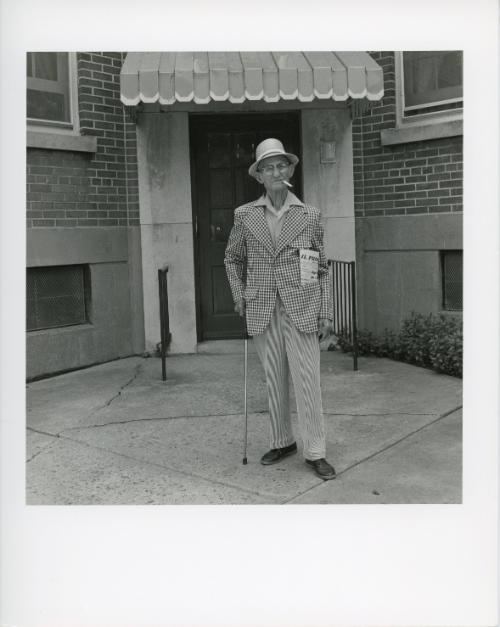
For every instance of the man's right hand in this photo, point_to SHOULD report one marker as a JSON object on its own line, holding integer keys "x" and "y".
{"x": 239, "y": 308}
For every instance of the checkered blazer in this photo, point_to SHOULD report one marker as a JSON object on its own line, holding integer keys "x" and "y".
{"x": 257, "y": 270}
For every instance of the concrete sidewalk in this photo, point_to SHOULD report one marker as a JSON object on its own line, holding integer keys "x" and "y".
{"x": 117, "y": 434}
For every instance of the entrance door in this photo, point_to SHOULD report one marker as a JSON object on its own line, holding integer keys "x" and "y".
{"x": 222, "y": 149}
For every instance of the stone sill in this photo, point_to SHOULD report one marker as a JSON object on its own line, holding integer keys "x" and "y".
{"x": 86, "y": 326}
{"x": 405, "y": 135}
{"x": 61, "y": 141}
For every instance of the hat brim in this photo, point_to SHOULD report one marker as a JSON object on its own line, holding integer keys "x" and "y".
{"x": 252, "y": 170}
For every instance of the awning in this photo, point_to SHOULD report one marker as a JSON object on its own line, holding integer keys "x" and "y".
{"x": 201, "y": 77}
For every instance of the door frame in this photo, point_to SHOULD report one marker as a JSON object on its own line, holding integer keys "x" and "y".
{"x": 196, "y": 119}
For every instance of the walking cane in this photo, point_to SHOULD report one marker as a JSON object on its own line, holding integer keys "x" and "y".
{"x": 245, "y": 335}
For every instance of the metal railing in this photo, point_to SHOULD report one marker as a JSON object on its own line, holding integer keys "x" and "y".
{"x": 165, "y": 334}
{"x": 343, "y": 277}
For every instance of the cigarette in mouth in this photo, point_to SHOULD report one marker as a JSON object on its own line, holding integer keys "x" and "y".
{"x": 287, "y": 184}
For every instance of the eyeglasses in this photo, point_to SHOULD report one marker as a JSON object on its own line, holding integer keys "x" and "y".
{"x": 269, "y": 169}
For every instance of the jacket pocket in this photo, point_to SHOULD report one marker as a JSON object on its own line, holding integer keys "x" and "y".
{"x": 250, "y": 293}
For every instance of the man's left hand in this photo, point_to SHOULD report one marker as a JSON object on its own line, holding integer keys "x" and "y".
{"x": 324, "y": 328}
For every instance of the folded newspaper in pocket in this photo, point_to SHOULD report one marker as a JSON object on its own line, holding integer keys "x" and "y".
{"x": 309, "y": 262}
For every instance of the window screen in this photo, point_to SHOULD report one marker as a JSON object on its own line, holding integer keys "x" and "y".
{"x": 432, "y": 79}
{"x": 451, "y": 263}
{"x": 48, "y": 97}
{"x": 57, "y": 296}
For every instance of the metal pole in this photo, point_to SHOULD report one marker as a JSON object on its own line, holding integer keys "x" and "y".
{"x": 344, "y": 296}
{"x": 164, "y": 319}
{"x": 348, "y": 299}
{"x": 338, "y": 315}
{"x": 354, "y": 315}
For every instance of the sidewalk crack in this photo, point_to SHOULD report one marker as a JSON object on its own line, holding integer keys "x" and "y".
{"x": 137, "y": 370}
{"x": 259, "y": 412}
{"x": 386, "y": 413}
{"x": 51, "y": 435}
{"x": 113, "y": 423}
{"x": 43, "y": 449}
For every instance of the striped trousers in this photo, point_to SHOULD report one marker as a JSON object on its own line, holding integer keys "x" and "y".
{"x": 283, "y": 349}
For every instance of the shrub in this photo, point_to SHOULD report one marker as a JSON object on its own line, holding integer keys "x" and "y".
{"x": 446, "y": 351}
{"x": 371, "y": 344}
{"x": 430, "y": 341}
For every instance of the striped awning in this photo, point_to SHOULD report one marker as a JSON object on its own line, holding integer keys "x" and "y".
{"x": 202, "y": 77}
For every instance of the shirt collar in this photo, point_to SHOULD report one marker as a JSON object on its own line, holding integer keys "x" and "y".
{"x": 291, "y": 199}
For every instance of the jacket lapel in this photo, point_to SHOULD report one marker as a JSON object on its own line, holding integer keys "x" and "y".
{"x": 295, "y": 222}
{"x": 257, "y": 224}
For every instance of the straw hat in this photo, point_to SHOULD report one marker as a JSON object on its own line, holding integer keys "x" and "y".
{"x": 270, "y": 148}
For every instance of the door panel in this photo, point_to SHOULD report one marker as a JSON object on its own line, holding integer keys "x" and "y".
{"x": 222, "y": 149}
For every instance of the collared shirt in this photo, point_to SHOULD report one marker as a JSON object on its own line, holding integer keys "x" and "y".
{"x": 275, "y": 217}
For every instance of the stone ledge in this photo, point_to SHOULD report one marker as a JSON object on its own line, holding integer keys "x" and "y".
{"x": 72, "y": 328}
{"x": 451, "y": 313}
{"x": 390, "y": 136}
{"x": 418, "y": 233}
{"x": 61, "y": 141}
{"x": 65, "y": 246}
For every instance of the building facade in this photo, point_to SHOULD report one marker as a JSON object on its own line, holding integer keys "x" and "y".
{"x": 84, "y": 295}
{"x": 408, "y": 176}
{"x": 136, "y": 162}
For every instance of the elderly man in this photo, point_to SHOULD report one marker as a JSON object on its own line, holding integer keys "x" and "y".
{"x": 278, "y": 275}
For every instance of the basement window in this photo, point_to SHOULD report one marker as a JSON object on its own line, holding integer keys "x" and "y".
{"x": 452, "y": 279}
{"x": 57, "y": 296}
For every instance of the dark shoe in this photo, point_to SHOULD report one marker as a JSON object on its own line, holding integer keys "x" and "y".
{"x": 322, "y": 468}
{"x": 277, "y": 454}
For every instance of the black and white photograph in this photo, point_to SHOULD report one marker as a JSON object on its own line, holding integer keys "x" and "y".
{"x": 246, "y": 284}
{"x": 181, "y": 216}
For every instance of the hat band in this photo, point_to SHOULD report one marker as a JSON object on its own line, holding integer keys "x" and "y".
{"x": 270, "y": 153}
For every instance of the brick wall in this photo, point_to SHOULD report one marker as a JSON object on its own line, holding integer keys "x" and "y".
{"x": 71, "y": 189}
{"x": 415, "y": 178}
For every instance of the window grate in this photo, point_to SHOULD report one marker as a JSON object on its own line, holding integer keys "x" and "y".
{"x": 57, "y": 296}
{"x": 452, "y": 272}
